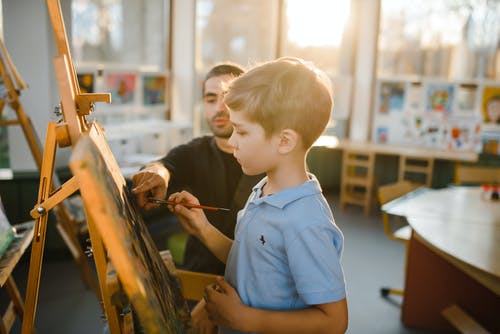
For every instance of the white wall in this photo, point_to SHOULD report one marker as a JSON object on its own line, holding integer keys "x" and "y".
{"x": 183, "y": 66}
{"x": 28, "y": 37}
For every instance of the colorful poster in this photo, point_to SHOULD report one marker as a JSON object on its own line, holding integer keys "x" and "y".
{"x": 414, "y": 96}
{"x": 382, "y": 133}
{"x": 490, "y": 104}
{"x": 121, "y": 86}
{"x": 86, "y": 81}
{"x": 463, "y": 133}
{"x": 439, "y": 97}
{"x": 466, "y": 98}
{"x": 391, "y": 96}
{"x": 154, "y": 89}
{"x": 490, "y": 141}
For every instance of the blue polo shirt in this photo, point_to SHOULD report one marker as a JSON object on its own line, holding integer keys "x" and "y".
{"x": 286, "y": 252}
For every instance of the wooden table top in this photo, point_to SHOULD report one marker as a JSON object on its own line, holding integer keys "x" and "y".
{"x": 391, "y": 149}
{"x": 15, "y": 250}
{"x": 456, "y": 221}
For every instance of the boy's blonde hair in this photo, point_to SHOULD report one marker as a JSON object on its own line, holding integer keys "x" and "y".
{"x": 287, "y": 93}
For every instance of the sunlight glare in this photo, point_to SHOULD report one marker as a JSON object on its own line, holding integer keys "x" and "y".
{"x": 316, "y": 22}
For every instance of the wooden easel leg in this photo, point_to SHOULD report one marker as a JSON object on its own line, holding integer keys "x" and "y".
{"x": 100, "y": 260}
{"x": 38, "y": 243}
{"x": 15, "y": 296}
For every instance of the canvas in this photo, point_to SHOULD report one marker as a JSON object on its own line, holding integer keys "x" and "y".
{"x": 152, "y": 289}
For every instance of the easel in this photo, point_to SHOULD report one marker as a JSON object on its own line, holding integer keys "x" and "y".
{"x": 75, "y": 106}
{"x": 67, "y": 225}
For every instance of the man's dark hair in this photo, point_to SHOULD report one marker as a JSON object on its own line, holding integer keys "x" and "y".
{"x": 223, "y": 69}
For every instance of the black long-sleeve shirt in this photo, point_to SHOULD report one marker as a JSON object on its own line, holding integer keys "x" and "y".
{"x": 216, "y": 179}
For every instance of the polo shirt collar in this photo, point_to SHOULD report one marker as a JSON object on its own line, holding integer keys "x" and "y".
{"x": 282, "y": 198}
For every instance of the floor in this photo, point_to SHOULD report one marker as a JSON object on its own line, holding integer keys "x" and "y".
{"x": 370, "y": 261}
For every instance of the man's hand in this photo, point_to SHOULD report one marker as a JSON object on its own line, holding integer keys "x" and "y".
{"x": 199, "y": 318}
{"x": 152, "y": 181}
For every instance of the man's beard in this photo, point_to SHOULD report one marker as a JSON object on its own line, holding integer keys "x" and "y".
{"x": 224, "y": 132}
{"x": 220, "y": 131}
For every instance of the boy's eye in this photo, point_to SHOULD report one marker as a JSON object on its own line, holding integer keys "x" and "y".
{"x": 210, "y": 100}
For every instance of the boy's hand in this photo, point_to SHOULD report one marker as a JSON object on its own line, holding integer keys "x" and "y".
{"x": 152, "y": 181}
{"x": 223, "y": 305}
{"x": 199, "y": 318}
{"x": 192, "y": 220}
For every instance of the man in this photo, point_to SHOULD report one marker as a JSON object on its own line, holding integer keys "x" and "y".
{"x": 205, "y": 167}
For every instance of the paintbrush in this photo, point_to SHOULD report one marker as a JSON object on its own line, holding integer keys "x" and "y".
{"x": 187, "y": 205}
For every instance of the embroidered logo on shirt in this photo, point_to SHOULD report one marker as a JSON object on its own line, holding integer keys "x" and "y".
{"x": 262, "y": 239}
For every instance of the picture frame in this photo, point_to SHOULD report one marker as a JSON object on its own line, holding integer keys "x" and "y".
{"x": 122, "y": 85}
{"x": 391, "y": 96}
{"x": 439, "y": 97}
{"x": 490, "y": 104}
{"x": 154, "y": 89}
{"x": 87, "y": 80}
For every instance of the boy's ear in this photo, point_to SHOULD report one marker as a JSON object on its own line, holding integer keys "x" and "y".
{"x": 288, "y": 140}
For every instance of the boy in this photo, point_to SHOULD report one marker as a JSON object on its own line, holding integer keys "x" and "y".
{"x": 283, "y": 272}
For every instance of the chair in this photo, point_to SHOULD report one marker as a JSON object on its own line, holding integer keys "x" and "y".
{"x": 468, "y": 174}
{"x": 387, "y": 193}
{"x": 357, "y": 179}
{"x": 414, "y": 168}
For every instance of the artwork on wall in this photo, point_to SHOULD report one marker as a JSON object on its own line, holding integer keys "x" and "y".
{"x": 414, "y": 96}
{"x": 435, "y": 114}
{"x": 490, "y": 104}
{"x": 153, "y": 291}
{"x": 122, "y": 86}
{"x": 86, "y": 81}
{"x": 439, "y": 97}
{"x": 463, "y": 133}
{"x": 466, "y": 98}
{"x": 490, "y": 141}
{"x": 382, "y": 134}
{"x": 154, "y": 89}
{"x": 391, "y": 97}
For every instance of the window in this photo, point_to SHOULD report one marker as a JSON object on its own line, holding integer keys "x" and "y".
{"x": 239, "y": 31}
{"x": 448, "y": 39}
{"x": 120, "y": 32}
{"x": 314, "y": 30}
{"x": 249, "y": 32}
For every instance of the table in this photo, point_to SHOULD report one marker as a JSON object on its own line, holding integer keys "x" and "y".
{"x": 24, "y": 235}
{"x": 358, "y": 166}
{"x": 454, "y": 255}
